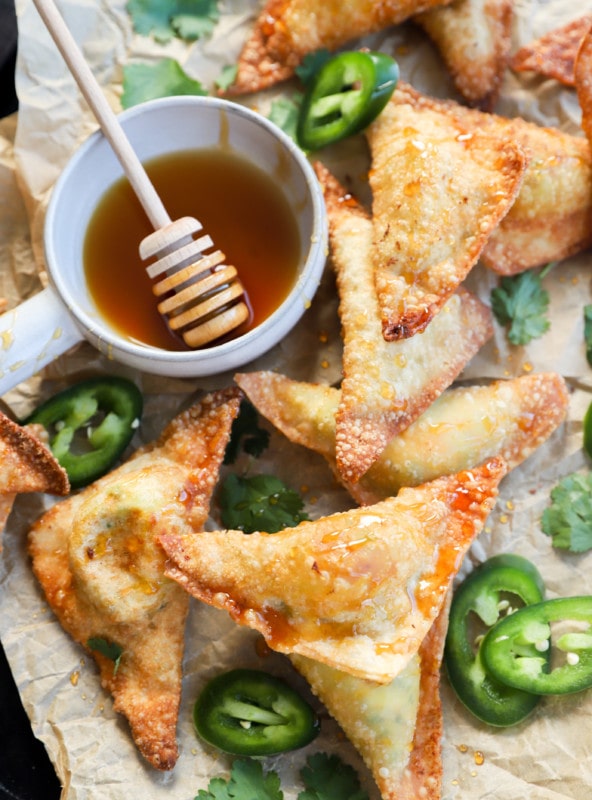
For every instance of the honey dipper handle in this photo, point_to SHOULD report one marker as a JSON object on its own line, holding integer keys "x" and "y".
{"x": 107, "y": 119}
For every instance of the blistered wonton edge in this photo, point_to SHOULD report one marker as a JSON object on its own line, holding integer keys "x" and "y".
{"x": 554, "y": 54}
{"x": 440, "y": 187}
{"x": 285, "y": 31}
{"x": 524, "y": 412}
{"x": 303, "y": 587}
{"x": 386, "y": 385}
{"x": 147, "y": 696}
{"x": 474, "y": 39}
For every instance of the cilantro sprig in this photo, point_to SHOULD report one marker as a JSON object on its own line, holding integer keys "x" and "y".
{"x": 165, "y": 19}
{"x": 588, "y": 332}
{"x": 325, "y": 777}
{"x": 259, "y": 503}
{"x": 568, "y": 519}
{"x": 108, "y": 649}
{"x": 284, "y": 113}
{"x": 246, "y": 434}
{"x": 521, "y": 304}
{"x": 144, "y": 81}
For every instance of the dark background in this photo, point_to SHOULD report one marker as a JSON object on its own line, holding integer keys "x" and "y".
{"x": 25, "y": 770}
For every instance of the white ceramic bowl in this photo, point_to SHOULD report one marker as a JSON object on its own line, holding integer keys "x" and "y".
{"x": 156, "y": 128}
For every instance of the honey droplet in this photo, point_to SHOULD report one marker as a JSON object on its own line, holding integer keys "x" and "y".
{"x": 462, "y": 748}
{"x": 74, "y": 677}
{"x": 479, "y": 757}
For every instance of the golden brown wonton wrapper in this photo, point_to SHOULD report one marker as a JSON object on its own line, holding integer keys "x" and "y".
{"x": 551, "y": 218}
{"x": 583, "y": 82}
{"x": 464, "y": 427}
{"x": 474, "y": 38}
{"x": 440, "y": 186}
{"x": 554, "y": 54}
{"x": 286, "y": 30}
{"x": 386, "y": 385}
{"x": 101, "y": 569}
{"x": 356, "y": 590}
{"x": 396, "y": 727}
{"x": 26, "y": 465}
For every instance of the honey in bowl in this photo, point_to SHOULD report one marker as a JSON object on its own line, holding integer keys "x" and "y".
{"x": 241, "y": 207}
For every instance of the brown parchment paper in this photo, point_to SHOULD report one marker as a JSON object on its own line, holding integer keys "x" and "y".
{"x": 546, "y": 758}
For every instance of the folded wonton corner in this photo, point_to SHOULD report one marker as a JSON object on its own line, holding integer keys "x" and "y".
{"x": 396, "y": 727}
{"x": 440, "y": 187}
{"x": 356, "y": 590}
{"x": 287, "y": 30}
{"x": 26, "y": 465}
{"x": 474, "y": 38}
{"x": 554, "y": 54}
{"x": 386, "y": 385}
{"x": 464, "y": 427}
{"x": 102, "y": 571}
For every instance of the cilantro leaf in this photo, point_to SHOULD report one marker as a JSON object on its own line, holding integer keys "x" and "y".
{"x": 284, "y": 113}
{"x": 108, "y": 649}
{"x": 588, "y": 332}
{"x": 327, "y": 777}
{"x": 144, "y": 81}
{"x": 164, "y": 19}
{"x": 260, "y": 503}
{"x": 311, "y": 64}
{"x": 247, "y": 782}
{"x": 227, "y": 77}
{"x": 521, "y": 303}
{"x": 245, "y": 431}
{"x": 568, "y": 519}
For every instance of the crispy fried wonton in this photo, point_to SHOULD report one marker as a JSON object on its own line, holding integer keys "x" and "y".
{"x": 461, "y": 429}
{"x": 286, "y": 30}
{"x": 396, "y": 727}
{"x": 583, "y": 82}
{"x": 551, "y": 218}
{"x": 26, "y": 465}
{"x": 386, "y": 385}
{"x": 102, "y": 571}
{"x": 474, "y": 38}
{"x": 356, "y": 590}
{"x": 554, "y": 54}
{"x": 440, "y": 186}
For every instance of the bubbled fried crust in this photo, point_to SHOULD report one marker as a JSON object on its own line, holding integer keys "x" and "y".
{"x": 551, "y": 217}
{"x": 554, "y": 54}
{"x": 337, "y": 589}
{"x": 583, "y": 80}
{"x": 387, "y": 384}
{"x": 286, "y": 30}
{"x": 440, "y": 188}
{"x": 473, "y": 37}
{"x": 87, "y": 583}
{"x": 26, "y": 463}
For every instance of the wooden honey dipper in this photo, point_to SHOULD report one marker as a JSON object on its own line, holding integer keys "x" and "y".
{"x": 202, "y": 298}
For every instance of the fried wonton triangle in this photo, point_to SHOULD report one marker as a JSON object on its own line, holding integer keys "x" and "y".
{"x": 356, "y": 590}
{"x": 286, "y": 30}
{"x": 583, "y": 81}
{"x": 440, "y": 187}
{"x": 386, "y": 385}
{"x": 554, "y": 54}
{"x": 461, "y": 429}
{"x": 102, "y": 571}
{"x": 474, "y": 38}
{"x": 396, "y": 727}
{"x": 26, "y": 465}
{"x": 551, "y": 219}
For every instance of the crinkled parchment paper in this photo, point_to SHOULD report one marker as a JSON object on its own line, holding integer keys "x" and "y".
{"x": 549, "y": 756}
